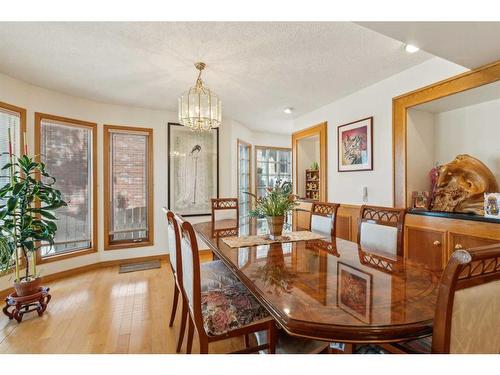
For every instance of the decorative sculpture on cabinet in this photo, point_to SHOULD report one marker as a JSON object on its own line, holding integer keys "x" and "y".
{"x": 461, "y": 185}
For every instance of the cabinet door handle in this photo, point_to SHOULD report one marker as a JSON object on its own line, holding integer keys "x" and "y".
{"x": 436, "y": 243}
{"x": 458, "y": 246}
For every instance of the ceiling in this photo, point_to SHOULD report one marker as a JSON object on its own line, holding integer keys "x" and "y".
{"x": 470, "y": 44}
{"x": 257, "y": 69}
{"x": 482, "y": 94}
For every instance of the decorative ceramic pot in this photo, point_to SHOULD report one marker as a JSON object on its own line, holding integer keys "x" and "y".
{"x": 275, "y": 225}
{"x": 27, "y": 288}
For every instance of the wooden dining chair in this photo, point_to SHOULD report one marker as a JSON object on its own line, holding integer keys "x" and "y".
{"x": 323, "y": 218}
{"x": 467, "y": 316}
{"x": 225, "y": 209}
{"x": 214, "y": 274}
{"x": 381, "y": 229}
{"x": 242, "y": 314}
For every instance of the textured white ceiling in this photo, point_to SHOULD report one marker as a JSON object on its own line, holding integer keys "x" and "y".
{"x": 257, "y": 69}
{"x": 470, "y": 44}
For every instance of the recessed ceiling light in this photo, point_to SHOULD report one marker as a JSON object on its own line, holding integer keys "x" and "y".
{"x": 288, "y": 110}
{"x": 410, "y": 48}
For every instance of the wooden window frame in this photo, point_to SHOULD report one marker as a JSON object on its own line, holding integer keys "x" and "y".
{"x": 22, "y": 131}
{"x": 107, "y": 193}
{"x": 271, "y": 148}
{"x": 39, "y": 117}
{"x": 22, "y": 120}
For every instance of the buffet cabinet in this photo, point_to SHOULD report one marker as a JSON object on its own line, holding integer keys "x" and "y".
{"x": 431, "y": 240}
{"x": 428, "y": 240}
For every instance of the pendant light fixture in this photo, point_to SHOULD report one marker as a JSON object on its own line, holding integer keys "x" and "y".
{"x": 199, "y": 107}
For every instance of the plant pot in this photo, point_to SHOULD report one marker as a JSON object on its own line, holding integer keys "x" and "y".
{"x": 27, "y": 288}
{"x": 275, "y": 225}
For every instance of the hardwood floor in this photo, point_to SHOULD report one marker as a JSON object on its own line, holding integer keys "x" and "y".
{"x": 102, "y": 311}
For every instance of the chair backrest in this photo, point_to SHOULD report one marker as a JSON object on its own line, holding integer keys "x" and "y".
{"x": 381, "y": 229}
{"x": 173, "y": 238}
{"x": 225, "y": 208}
{"x": 467, "y": 318}
{"x": 190, "y": 265}
{"x": 323, "y": 218}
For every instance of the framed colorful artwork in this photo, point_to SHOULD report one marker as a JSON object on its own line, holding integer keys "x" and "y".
{"x": 355, "y": 146}
{"x": 354, "y": 291}
{"x": 193, "y": 170}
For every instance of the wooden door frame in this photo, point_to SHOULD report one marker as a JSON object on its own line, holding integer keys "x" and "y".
{"x": 469, "y": 80}
{"x": 321, "y": 130}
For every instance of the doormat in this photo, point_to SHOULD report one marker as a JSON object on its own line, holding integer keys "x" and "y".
{"x": 132, "y": 267}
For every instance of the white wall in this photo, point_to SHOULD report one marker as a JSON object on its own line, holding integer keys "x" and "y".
{"x": 420, "y": 151}
{"x": 440, "y": 137}
{"x": 36, "y": 99}
{"x": 473, "y": 130}
{"x": 376, "y": 101}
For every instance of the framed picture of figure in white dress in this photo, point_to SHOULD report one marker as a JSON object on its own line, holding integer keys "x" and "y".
{"x": 193, "y": 170}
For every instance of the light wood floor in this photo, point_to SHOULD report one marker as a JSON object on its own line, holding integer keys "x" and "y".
{"x": 102, "y": 311}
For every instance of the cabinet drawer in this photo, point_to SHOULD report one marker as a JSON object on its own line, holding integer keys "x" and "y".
{"x": 426, "y": 246}
{"x": 466, "y": 241}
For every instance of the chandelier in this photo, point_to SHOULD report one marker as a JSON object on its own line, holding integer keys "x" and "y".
{"x": 199, "y": 107}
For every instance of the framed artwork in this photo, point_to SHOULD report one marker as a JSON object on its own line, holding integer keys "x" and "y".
{"x": 193, "y": 170}
{"x": 355, "y": 146}
{"x": 354, "y": 291}
{"x": 492, "y": 205}
{"x": 420, "y": 200}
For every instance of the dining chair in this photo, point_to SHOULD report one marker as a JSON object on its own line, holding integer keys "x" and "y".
{"x": 467, "y": 315}
{"x": 323, "y": 217}
{"x": 214, "y": 274}
{"x": 222, "y": 313}
{"x": 381, "y": 229}
{"x": 225, "y": 209}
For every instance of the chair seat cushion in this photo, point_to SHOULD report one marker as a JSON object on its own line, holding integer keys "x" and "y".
{"x": 230, "y": 308}
{"x": 215, "y": 275}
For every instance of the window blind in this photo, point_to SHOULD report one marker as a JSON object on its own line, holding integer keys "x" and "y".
{"x": 128, "y": 186}
{"x": 8, "y": 120}
{"x": 66, "y": 149}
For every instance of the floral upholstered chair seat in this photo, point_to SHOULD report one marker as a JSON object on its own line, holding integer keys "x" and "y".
{"x": 229, "y": 308}
{"x": 215, "y": 275}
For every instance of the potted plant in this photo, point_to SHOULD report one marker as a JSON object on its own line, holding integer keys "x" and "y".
{"x": 27, "y": 221}
{"x": 274, "y": 206}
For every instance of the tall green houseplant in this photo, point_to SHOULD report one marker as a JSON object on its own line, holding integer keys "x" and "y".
{"x": 27, "y": 220}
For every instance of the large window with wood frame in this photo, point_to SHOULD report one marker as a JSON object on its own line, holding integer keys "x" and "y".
{"x": 272, "y": 164}
{"x": 128, "y": 186}
{"x": 12, "y": 124}
{"x": 244, "y": 177}
{"x": 67, "y": 147}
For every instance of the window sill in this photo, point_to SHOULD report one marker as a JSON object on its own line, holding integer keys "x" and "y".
{"x": 55, "y": 258}
{"x": 127, "y": 245}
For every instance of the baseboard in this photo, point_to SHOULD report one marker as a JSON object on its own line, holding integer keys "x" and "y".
{"x": 90, "y": 267}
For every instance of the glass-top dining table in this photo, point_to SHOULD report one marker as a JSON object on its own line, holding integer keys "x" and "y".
{"x": 329, "y": 289}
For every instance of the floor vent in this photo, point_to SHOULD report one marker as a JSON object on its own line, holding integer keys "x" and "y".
{"x": 141, "y": 266}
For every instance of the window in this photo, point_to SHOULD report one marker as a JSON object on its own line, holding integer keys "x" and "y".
{"x": 244, "y": 179}
{"x": 128, "y": 177}
{"x": 272, "y": 164}
{"x": 13, "y": 118}
{"x": 67, "y": 147}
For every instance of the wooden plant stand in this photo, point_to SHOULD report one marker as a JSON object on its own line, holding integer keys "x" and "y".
{"x": 16, "y": 307}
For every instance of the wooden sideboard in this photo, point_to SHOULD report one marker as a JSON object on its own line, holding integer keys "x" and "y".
{"x": 431, "y": 240}
{"x": 427, "y": 239}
